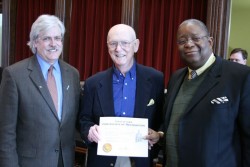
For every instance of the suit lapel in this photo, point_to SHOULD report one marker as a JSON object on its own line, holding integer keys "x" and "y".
{"x": 143, "y": 92}
{"x": 38, "y": 79}
{"x": 105, "y": 94}
{"x": 173, "y": 91}
{"x": 209, "y": 82}
{"x": 66, "y": 88}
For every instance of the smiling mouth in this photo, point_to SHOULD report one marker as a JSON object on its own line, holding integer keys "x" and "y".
{"x": 52, "y": 50}
{"x": 120, "y": 55}
{"x": 191, "y": 52}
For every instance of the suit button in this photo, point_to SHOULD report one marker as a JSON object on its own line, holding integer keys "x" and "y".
{"x": 56, "y": 150}
{"x": 111, "y": 164}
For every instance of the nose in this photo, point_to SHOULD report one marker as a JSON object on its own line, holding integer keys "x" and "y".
{"x": 52, "y": 41}
{"x": 189, "y": 40}
{"x": 189, "y": 43}
{"x": 118, "y": 46}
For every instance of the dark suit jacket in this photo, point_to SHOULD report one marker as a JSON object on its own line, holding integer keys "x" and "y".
{"x": 30, "y": 132}
{"x": 98, "y": 102}
{"x": 214, "y": 135}
{"x": 1, "y": 71}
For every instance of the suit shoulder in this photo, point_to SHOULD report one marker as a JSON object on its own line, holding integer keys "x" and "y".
{"x": 149, "y": 70}
{"x": 19, "y": 65}
{"x": 99, "y": 76}
{"x": 68, "y": 66}
{"x": 234, "y": 70}
{"x": 69, "y": 70}
{"x": 18, "y": 69}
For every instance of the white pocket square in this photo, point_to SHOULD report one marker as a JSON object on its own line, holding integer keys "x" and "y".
{"x": 151, "y": 102}
{"x": 220, "y": 100}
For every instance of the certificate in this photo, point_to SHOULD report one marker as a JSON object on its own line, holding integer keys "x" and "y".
{"x": 121, "y": 136}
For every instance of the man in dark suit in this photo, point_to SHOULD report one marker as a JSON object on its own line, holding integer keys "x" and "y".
{"x": 127, "y": 89}
{"x": 35, "y": 129}
{"x": 207, "y": 116}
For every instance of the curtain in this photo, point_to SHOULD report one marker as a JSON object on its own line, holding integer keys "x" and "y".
{"x": 218, "y": 20}
{"x": 90, "y": 22}
{"x": 27, "y": 13}
{"x": 158, "y": 24}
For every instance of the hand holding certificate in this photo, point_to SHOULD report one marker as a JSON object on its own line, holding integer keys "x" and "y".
{"x": 122, "y": 136}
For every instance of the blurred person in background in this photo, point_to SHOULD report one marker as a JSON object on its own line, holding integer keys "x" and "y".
{"x": 238, "y": 55}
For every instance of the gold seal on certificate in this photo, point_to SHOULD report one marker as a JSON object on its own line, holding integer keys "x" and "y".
{"x": 107, "y": 147}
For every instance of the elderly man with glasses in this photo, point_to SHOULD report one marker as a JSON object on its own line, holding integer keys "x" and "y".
{"x": 39, "y": 103}
{"x": 124, "y": 90}
{"x": 207, "y": 114}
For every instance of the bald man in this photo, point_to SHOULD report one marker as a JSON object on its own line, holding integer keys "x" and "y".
{"x": 123, "y": 90}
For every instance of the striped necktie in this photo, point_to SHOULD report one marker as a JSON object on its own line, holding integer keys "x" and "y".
{"x": 52, "y": 87}
{"x": 193, "y": 74}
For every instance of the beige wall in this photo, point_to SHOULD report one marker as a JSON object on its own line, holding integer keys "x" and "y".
{"x": 240, "y": 26}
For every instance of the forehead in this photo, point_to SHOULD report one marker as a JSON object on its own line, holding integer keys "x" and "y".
{"x": 190, "y": 29}
{"x": 236, "y": 55}
{"x": 120, "y": 34}
{"x": 53, "y": 31}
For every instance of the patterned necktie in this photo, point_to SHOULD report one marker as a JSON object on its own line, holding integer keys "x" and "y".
{"x": 193, "y": 74}
{"x": 52, "y": 87}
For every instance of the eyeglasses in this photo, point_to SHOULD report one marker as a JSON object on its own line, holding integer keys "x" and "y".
{"x": 183, "y": 41}
{"x": 124, "y": 44}
{"x": 47, "y": 39}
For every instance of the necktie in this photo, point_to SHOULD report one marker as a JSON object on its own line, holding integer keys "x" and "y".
{"x": 193, "y": 74}
{"x": 52, "y": 87}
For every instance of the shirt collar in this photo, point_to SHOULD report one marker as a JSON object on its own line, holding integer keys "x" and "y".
{"x": 45, "y": 66}
{"x": 200, "y": 70}
{"x": 131, "y": 72}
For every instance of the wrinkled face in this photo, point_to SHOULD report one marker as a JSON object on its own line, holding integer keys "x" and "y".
{"x": 238, "y": 58}
{"x": 195, "y": 47}
{"x": 122, "y": 46}
{"x": 49, "y": 45}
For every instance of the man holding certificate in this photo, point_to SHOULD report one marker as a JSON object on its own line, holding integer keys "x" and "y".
{"x": 116, "y": 103}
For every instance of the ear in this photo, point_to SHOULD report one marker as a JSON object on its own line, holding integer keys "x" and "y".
{"x": 245, "y": 61}
{"x": 211, "y": 42}
{"x": 136, "y": 45}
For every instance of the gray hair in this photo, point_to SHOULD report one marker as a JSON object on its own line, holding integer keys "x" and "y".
{"x": 42, "y": 24}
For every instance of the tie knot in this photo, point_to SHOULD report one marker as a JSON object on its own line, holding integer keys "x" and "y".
{"x": 193, "y": 74}
{"x": 51, "y": 68}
